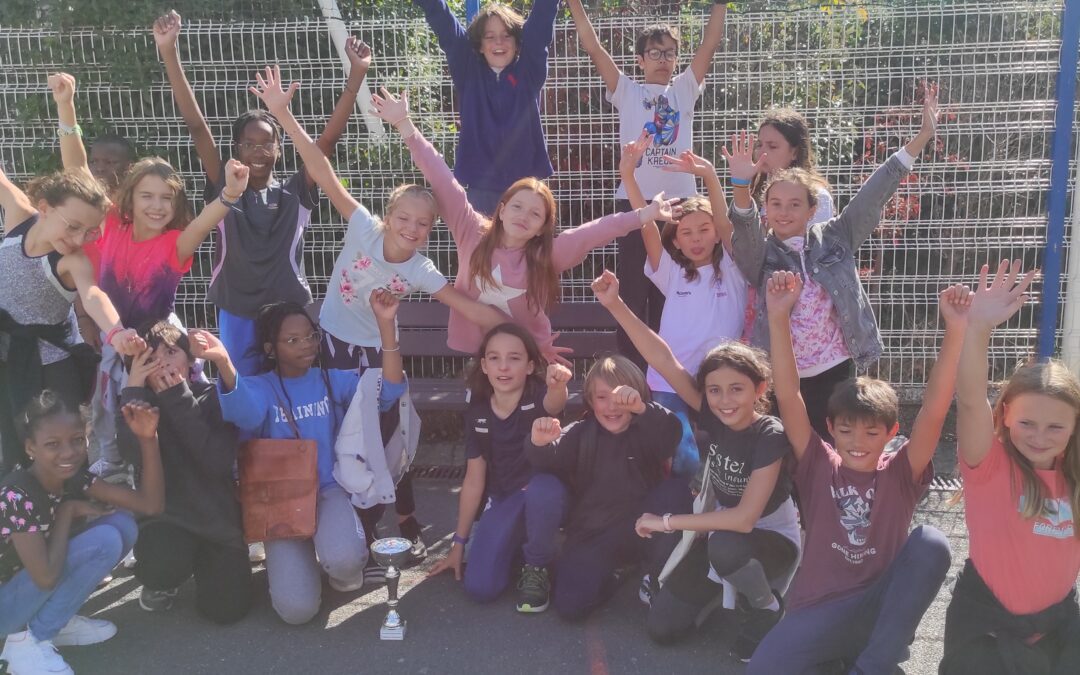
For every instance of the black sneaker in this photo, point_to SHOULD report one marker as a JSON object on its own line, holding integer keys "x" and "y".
{"x": 755, "y": 627}
{"x": 411, "y": 529}
{"x": 647, "y": 590}
{"x": 157, "y": 601}
{"x": 533, "y": 589}
{"x": 374, "y": 573}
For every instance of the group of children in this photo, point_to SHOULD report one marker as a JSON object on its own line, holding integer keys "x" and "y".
{"x": 800, "y": 521}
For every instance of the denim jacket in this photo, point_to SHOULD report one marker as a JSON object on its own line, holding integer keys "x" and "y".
{"x": 830, "y": 259}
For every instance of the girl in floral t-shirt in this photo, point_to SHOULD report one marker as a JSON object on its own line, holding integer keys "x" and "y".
{"x": 45, "y": 573}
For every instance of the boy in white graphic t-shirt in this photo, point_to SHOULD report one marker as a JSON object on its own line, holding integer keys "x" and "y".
{"x": 662, "y": 105}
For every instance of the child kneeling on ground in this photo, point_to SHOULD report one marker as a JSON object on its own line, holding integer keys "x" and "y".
{"x": 616, "y": 461}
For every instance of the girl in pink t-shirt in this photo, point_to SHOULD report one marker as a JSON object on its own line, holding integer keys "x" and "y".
{"x": 1014, "y": 608}
{"x": 148, "y": 240}
{"x": 512, "y": 260}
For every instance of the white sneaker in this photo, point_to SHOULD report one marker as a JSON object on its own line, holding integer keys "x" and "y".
{"x": 26, "y": 655}
{"x": 83, "y": 631}
{"x": 129, "y": 560}
{"x": 342, "y": 587}
{"x": 256, "y": 552}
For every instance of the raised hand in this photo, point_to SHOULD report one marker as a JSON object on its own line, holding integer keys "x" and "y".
{"x": 163, "y": 380}
{"x": 782, "y": 291}
{"x": 553, "y": 354}
{"x": 955, "y": 303}
{"x": 930, "y": 110}
{"x": 127, "y": 342}
{"x": 389, "y": 108}
{"x": 557, "y": 375}
{"x": 142, "y": 419}
{"x": 995, "y": 302}
{"x": 628, "y": 399}
{"x": 143, "y": 365}
{"x": 269, "y": 89}
{"x": 688, "y": 162}
{"x": 606, "y": 288}
{"x": 632, "y": 153}
{"x": 205, "y": 345}
{"x": 167, "y": 30}
{"x": 740, "y": 158}
{"x": 384, "y": 304}
{"x": 358, "y": 52}
{"x": 545, "y": 430}
{"x": 236, "y": 179}
{"x": 660, "y": 209}
{"x": 62, "y": 87}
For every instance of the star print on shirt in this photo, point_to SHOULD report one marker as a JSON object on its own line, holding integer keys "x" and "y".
{"x": 499, "y": 295}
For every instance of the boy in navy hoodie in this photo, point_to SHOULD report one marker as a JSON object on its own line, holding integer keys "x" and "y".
{"x": 499, "y": 66}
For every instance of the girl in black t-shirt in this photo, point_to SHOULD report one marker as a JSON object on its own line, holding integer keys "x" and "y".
{"x": 45, "y": 573}
{"x": 744, "y": 507}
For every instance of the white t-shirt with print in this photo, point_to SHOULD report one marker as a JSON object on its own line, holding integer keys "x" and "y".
{"x": 359, "y": 269}
{"x": 699, "y": 314}
{"x": 668, "y": 113}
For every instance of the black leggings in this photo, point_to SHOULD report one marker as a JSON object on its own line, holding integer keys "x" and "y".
{"x": 688, "y": 590}
{"x": 167, "y": 555}
{"x": 641, "y": 295}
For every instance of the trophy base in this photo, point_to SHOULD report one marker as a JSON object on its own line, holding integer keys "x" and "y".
{"x": 392, "y": 633}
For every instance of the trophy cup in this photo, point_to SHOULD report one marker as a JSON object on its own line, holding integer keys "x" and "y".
{"x": 391, "y": 553}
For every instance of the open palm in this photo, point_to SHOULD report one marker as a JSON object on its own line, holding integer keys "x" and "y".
{"x": 1003, "y": 296}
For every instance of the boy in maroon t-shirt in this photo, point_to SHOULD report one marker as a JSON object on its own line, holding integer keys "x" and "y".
{"x": 864, "y": 583}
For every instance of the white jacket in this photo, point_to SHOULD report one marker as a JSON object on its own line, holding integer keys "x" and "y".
{"x": 365, "y": 468}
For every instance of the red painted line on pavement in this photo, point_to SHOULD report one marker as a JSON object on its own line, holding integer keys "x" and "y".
{"x": 594, "y": 646}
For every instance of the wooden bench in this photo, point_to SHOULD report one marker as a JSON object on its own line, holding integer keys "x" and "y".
{"x": 587, "y": 328}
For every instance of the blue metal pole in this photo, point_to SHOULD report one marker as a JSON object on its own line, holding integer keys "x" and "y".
{"x": 1059, "y": 177}
{"x": 472, "y": 8}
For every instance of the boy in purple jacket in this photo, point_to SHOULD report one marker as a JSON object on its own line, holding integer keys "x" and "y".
{"x": 498, "y": 65}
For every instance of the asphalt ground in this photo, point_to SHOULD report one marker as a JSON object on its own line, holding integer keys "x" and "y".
{"x": 446, "y": 632}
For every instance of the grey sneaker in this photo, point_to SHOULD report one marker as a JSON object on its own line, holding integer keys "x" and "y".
{"x": 157, "y": 601}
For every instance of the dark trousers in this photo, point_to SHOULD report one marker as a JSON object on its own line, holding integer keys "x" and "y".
{"x": 872, "y": 628}
{"x": 584, "y": 573}
{"x": 63, "y": 378}
{"x": 167, "y": 555}
{"x": 688, "y": 590}
{"x": 816, "y": 391}
{"x": 520, "y": 525}
{"x": 642, "y": 296}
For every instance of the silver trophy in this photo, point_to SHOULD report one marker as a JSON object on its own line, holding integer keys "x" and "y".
{"x": 391, "y": 553}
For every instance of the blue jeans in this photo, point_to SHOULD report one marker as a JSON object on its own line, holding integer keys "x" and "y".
{"x": 687, "y": 460}
{"x": 91, "y": 555}
{"x": 237, "y": 333}
{"x": 525, "y": 521}
{"x": 871, "y": 629}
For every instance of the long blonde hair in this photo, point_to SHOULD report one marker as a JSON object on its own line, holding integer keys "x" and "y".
{"x": 1051, "y": 379}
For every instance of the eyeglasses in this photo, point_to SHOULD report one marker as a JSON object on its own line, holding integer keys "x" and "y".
{"x": 265, "y": 147}
{"x": 661, "y": 54}
{"x": 74, "y": 229}
{"x": 296, "y": 341}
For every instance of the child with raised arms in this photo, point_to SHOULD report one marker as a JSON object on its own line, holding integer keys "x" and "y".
{"x": 147, "y": 244}
{"x": 1014, "y": 607}
{"x": 864, "y": 582}
{"x": 510, "y": 388}
{"x": 749, "y": 520}
{"x": 615, "y": 462}
{"x": 200, "y": 533}
{"x": 259, "y": 250}
{"x": 498, "y": 66}
{"x": 295, "y": 398}
{"x": 834, "y": 326}
{"x": 376, "y": 253}
{"x": 690, "y": 263}
{"x": 512, "y": 260}
{"x": 46, "y": 571}
{"x": 663, "y": 107}
{"x": 45, "y": 269}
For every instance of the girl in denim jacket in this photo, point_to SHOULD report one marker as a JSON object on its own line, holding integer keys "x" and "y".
{"x": 833, "y": 324}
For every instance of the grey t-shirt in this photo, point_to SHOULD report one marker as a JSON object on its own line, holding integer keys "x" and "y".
{"x": 259, "y": 248}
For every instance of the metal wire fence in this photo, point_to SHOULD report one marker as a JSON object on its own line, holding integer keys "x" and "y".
{"x": 977, "y": 195}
